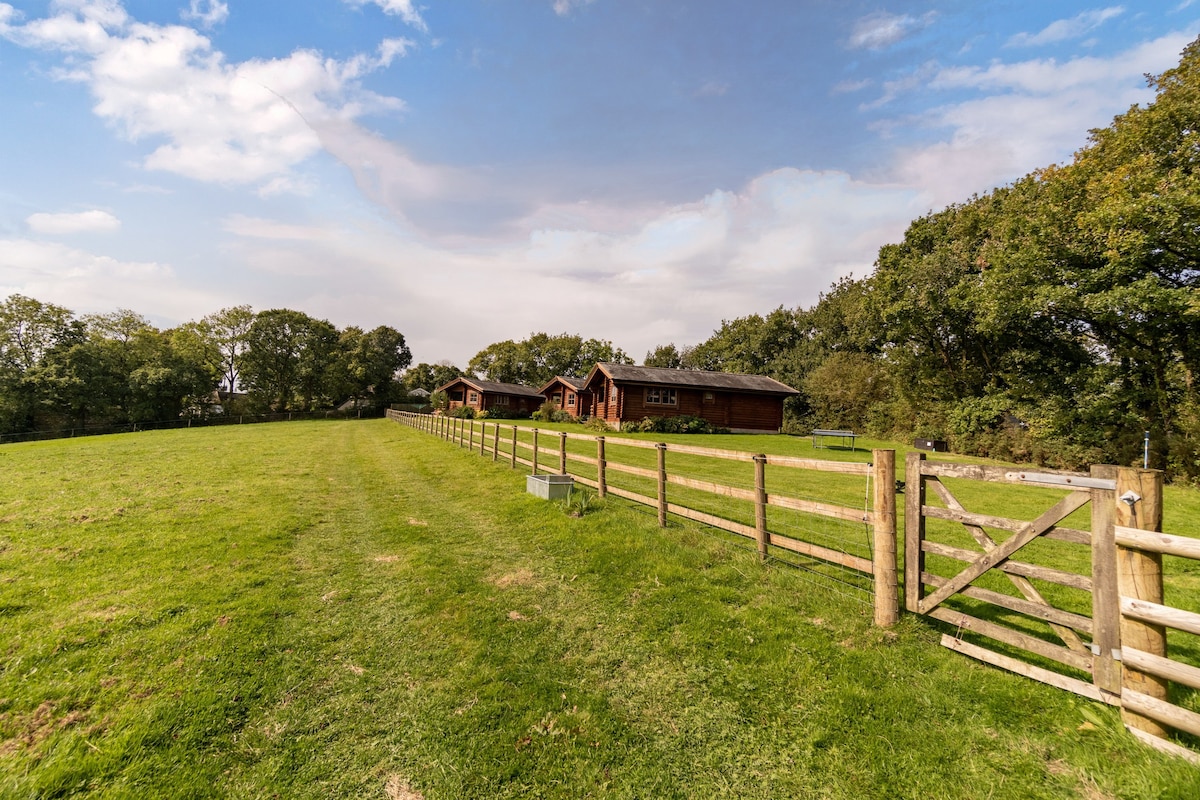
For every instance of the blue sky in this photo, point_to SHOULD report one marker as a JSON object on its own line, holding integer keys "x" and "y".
{"x": 477, "y": 170}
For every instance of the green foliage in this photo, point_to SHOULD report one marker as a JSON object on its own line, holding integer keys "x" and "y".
{"x": 550, "y": 412}
{"x": 368, "y": 364}
{"x": 463, "y": 412}
{"x": 666, "y": 356}
{"x": 57, "y": 370}
{"x": 597, "y": 424}
{"x": 538, "y": 359}
{"x": 430, "y": 376}
{"x": 289, "y": 359}
{"x": 580, "y": 502}
{"x": 501, "y": 412}
{"x": 684, "y": 423}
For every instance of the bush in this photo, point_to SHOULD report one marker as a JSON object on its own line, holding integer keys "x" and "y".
{"x": 597, "y": 424}
{"x": 549, "y": 412}
{"x": 681, "y": 424}
{"x": 463, "y": 412}
{"x": 499, "y": 412}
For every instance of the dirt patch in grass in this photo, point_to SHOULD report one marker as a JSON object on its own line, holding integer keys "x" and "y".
{"x": 399, "y": 789}
{"x": 522, "y": 577}
{"x": 32, "y": 729}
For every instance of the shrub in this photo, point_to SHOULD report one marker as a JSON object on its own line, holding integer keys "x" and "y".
{"x": 549, "y": 412}
{"x": 463, "y": 412}
{"x": 579, "y": 502}
{"x": 682, "y": 424}
{"x": 597, "y": 424}
{"x": 498, "y": 412}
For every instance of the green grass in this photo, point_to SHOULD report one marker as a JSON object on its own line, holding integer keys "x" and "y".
{"x": 347, "y": 609}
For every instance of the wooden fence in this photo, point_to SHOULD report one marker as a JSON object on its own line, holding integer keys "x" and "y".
{"x": 1098, "y": 608}
{"x": 687, "y": 481}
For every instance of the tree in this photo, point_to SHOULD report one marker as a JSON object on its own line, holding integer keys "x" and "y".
{"x": 666, "y": 356}
{"x": 287, "y": 358}
{"x": 368, "y": 364}
{"x": 430, "y": 376}
{"x": 29, "y": 331}
{"x": 227, "y": 330}
{"x": 537, "y": 359}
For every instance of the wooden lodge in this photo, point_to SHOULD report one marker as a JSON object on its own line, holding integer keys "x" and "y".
{"x": 569, "y": 395}
{"x": 743, "y": 403}
{"x": 486, "y": 395}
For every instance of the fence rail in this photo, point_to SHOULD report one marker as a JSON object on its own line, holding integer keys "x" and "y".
{"x": 688, "y": 481}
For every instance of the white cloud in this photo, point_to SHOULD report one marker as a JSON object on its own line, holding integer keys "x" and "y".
{"x": 88, "y": 283}
{"x": 850, "y": 86}
{"x": 80, "y": 222}
{"x": 712, "y": 89}
{"x": 881, "y": 29}
{"x": 246, "y": 123}
{"x": 565, "y": 7}
{"x": 404, "y": 9}
{"x": 639, "y": 277}
{"x": 1028, "y": 115}
{"x": 1076, "y": 27}
{"x": 207, "y": 12}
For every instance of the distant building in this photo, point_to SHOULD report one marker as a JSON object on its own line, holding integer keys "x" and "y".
{"x": 743, "y": 403}
{"x": 569, "y": 395}
{"x": 485, "y": 395}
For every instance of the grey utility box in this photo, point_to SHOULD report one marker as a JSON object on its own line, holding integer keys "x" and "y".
{"x": 549, "y": 487}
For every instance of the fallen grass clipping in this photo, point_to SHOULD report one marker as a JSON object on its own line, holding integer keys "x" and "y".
{"x": 357, "y": 609}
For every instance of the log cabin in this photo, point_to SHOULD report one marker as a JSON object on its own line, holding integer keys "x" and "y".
{"x": 568, "y": 394}
{"x": 487, "y": 395}
{"x": 743, "y": 403}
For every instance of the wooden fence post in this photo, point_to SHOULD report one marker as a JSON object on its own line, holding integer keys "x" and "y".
{"x": 601, "y": 479}
{"x": 662, "y": 484}
{"x": 1106, "y": 600}
{"x": 883, "y": 557}
{"x": 761, "y": 535}
{"x": 914, "y": 531}
{"x": 496, "y": 442}
{"x": 483, "y": 439}
{"x": 562, "y": 453}
{"x": 1140, "y": 577}
{"x": 535, "y": 451}
{"x": 470, "y": 439}
{"x": 513, "y": 454}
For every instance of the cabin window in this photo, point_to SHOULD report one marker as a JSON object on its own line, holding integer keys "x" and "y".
{"x": 570, "y": 399}
{"x": 660, "y": 397}
{"x": 709, "y": 397}
{"x": 500, "y": 400}
{"x": 456, "y": 395}
{"x": 600, "y": 395}
{"x": 556, "y": 399}
{"x": 472, "y": 397}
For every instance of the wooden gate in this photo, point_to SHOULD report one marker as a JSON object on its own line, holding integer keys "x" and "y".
{"x": 1081, "y": 638}
{"x": 1117, "y": 643}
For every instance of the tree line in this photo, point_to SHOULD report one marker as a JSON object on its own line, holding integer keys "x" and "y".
{"x": 1053, "y": 320}
{"x": 59, "y": 369}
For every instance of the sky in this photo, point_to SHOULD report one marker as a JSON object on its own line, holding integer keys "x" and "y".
{"x": 470, "y": 171}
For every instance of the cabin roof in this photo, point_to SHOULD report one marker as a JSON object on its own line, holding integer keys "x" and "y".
{"x": 494, "y": 387}
{"x": 691, "y": 378}
{"x": 575, "y": 383}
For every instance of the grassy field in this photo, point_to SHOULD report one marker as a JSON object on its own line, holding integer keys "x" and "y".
{"x": 356, "y": 609}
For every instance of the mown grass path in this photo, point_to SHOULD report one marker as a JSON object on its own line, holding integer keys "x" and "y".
{"x": 356, "y": 609}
